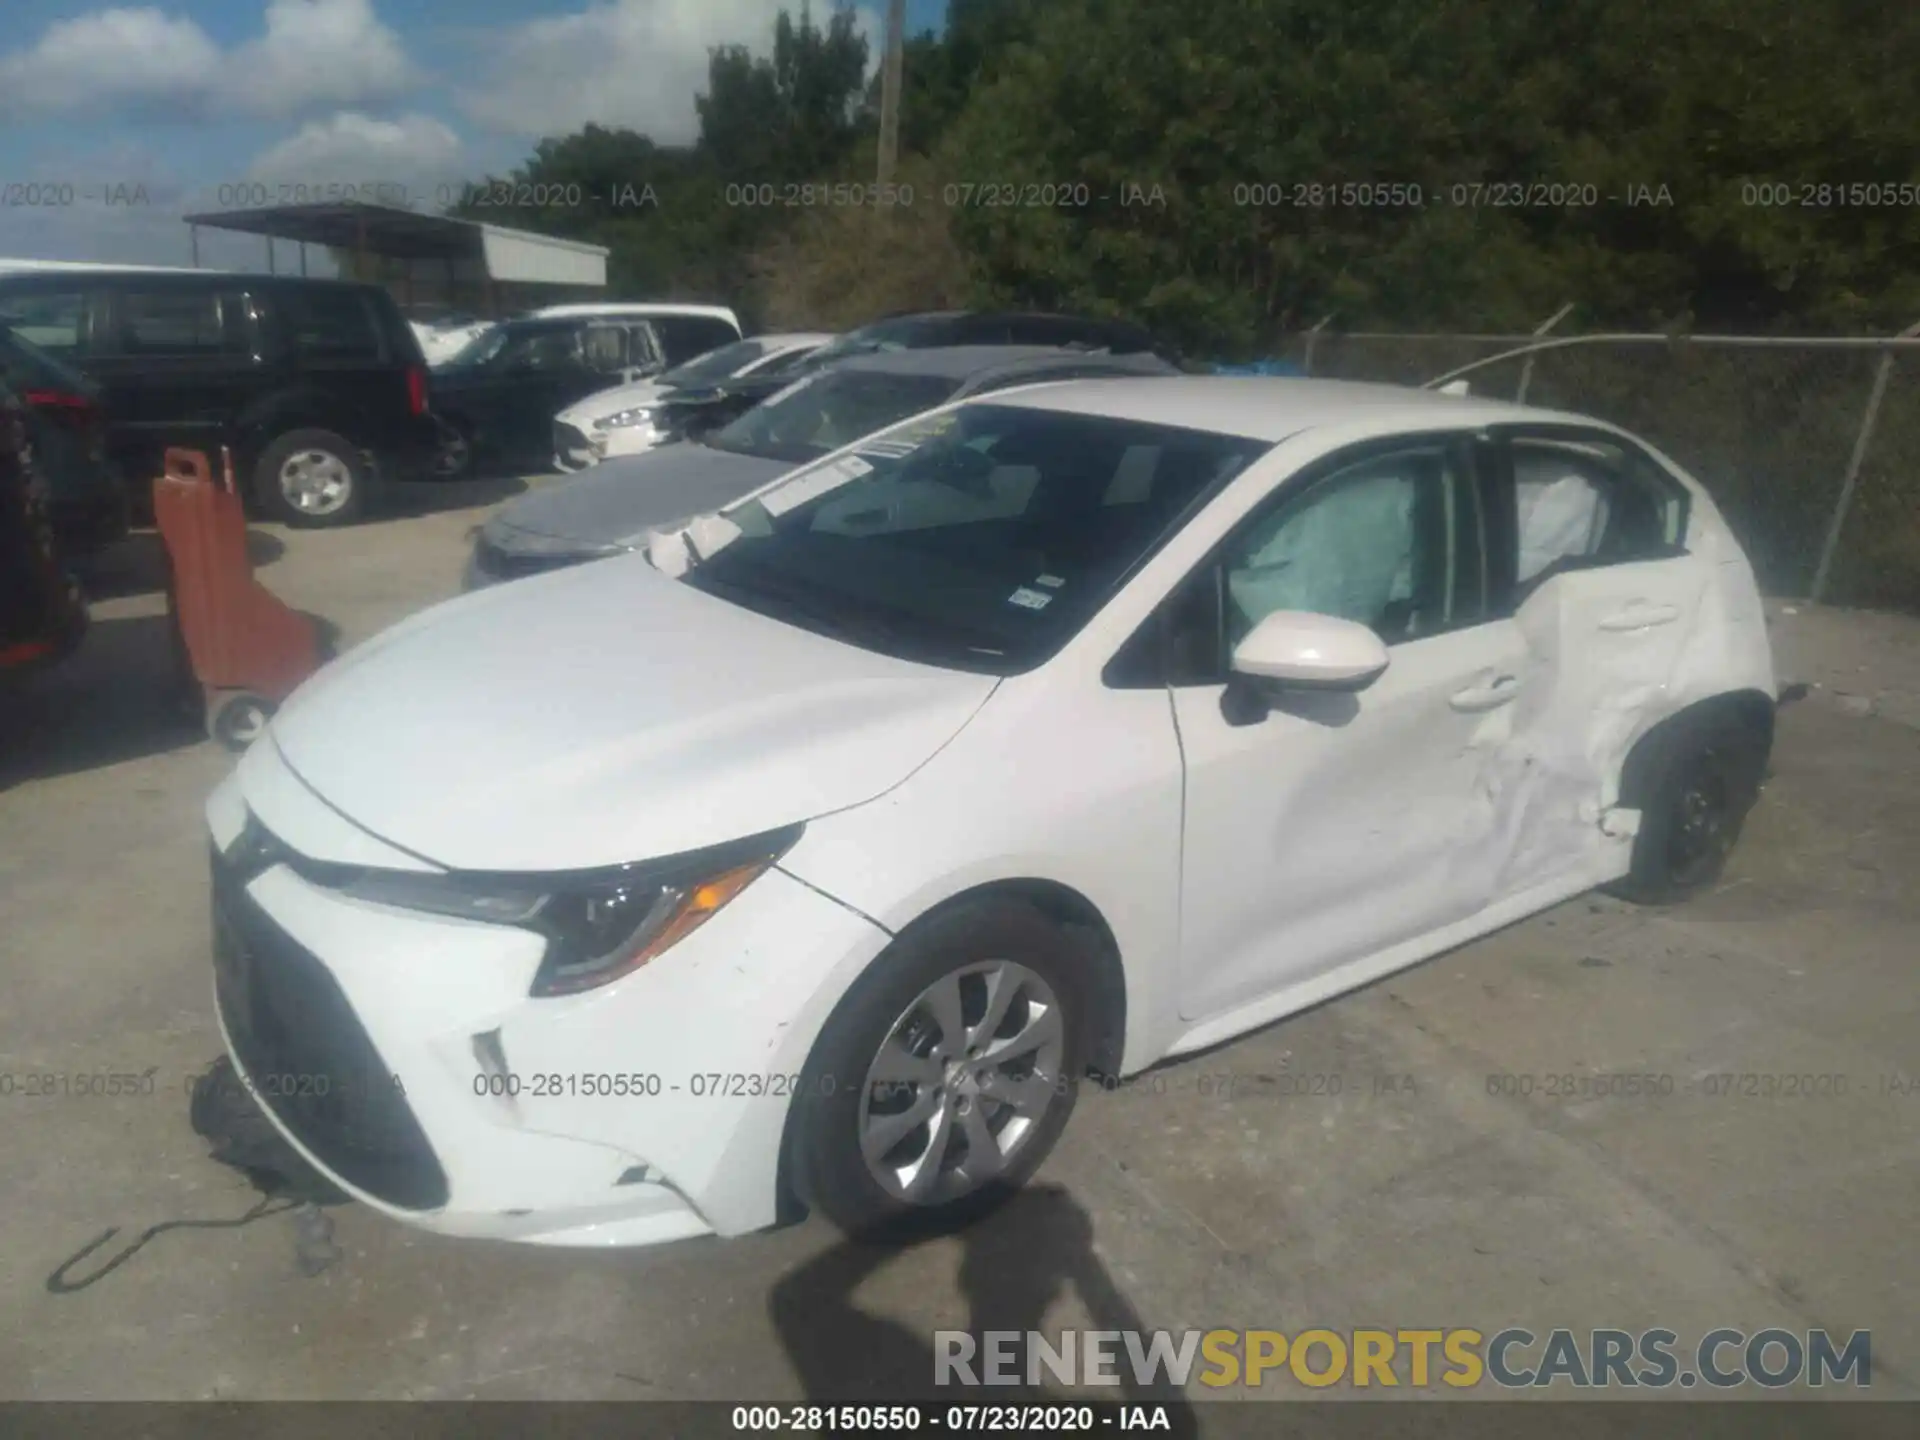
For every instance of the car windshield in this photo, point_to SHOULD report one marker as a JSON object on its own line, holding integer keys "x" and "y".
{"x": 480, "y": 349}
{"x": 981, "y": 538}
{"x": 715, "y": 365}
{"x": 821, "y": 413}
{"x": 878, "y": 338}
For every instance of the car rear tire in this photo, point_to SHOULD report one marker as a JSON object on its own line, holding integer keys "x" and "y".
{"x": 1693, "y": 782}
{"x": 455, "y": 458}
{"x": 311, "y": 478}
{"x": 946, "y": 1074}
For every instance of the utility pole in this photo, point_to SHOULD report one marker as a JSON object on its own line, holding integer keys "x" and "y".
{"x": 890, "y": 88}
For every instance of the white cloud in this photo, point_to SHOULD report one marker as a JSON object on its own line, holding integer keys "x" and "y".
{"x": 109, "y": 58}
{"x": 416, "y": 152}
{"x": 636, "y": 64}
{"x": 315, "y": 53}
{"x": 320, "y": 52}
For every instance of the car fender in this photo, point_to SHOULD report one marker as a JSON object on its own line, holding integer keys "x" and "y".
{"x": 303, "y": 407}
{"x": 1103, "y": 854}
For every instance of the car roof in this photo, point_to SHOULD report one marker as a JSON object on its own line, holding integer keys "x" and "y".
{"x": 960, "y": 362}
{"x": 641, "y": 308}
{"x": 1272, "y": 408}
{"x": 793, "y": 339}
{"x": 55, "y": 278}
{"x": 88, "y": 267}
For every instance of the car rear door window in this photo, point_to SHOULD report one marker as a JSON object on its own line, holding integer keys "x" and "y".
{"x": 54, "y": 320}
{"x": 1586, "y": 499}
{"x": 330, "y": 324}
{"x": 172, "y": 322}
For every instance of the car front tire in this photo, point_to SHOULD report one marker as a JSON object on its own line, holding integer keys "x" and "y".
{"x": 312, "y": 478}
{"x": 946, "y": 1074}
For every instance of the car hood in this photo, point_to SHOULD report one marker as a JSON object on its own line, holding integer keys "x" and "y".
{"x": 603, "y": 403}
{"x": 619, "y": 500}
{"x": 607, "y": 714}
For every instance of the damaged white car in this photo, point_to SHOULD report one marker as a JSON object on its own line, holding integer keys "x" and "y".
{"x": 1061, "y": 730}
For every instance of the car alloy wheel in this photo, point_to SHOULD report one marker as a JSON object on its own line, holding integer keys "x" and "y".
{"x": 964, "y": 1079}
{"x": 1701, "y": 830}
{"x": 316, "y": 482}
{"x": 455, "y": 456}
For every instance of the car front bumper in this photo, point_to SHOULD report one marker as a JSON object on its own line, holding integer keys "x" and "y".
{"x": 402, "y": 1055}
{"x": 491, "y": 564}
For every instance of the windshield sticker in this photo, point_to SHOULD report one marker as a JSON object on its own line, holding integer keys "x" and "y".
{"x": 813, "y": 484}
{"x": 1052, "y": 582}
{"x": 889, "y": 449}
{"x": 898, "y": 444}
{"x": 1029, "y": 599}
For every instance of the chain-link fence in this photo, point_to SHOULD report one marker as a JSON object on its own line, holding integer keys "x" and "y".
{"x": 1820, "y": 478}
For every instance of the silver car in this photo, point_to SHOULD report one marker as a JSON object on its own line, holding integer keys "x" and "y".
{"x": 612, "y": 507}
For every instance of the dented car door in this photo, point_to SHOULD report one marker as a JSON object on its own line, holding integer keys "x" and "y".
{"x": 1605, "y": 597}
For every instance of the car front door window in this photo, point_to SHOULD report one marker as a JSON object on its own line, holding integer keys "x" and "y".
{"x": 1347, "y": 550}
{"x": 1324, "y": 827}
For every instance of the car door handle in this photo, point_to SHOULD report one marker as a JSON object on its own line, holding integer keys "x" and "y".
{"x": 1640, "y": 616}
{"x": 1490, "y": 696}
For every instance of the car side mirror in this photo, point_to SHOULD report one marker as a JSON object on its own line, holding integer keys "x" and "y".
{"x": 1297, "y": 649}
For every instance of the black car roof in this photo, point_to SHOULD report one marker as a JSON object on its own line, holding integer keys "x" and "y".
{"x": 155, "y": 279}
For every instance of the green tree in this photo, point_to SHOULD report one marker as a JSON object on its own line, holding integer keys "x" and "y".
{"x": 1207, "y": 98}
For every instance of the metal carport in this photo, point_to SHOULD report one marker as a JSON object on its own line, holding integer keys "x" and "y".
{"x": 488, "y": 268}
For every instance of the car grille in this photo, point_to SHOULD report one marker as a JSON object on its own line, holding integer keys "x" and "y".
{"x": 309, "y": 1060}
{"x": 571, "y": 441}
{"x": 498, "y": 564}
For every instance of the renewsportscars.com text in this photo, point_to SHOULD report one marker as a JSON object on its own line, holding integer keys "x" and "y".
{"x": 1459, "y": 1358}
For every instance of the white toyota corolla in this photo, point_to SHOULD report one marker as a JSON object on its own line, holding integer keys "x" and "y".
{"x": 1058, "y": 731}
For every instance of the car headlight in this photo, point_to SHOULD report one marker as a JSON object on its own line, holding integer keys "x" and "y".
{"x": 511, "y": 541}
{"x": 638, "y": 415}
{"x": 599, "y": 925}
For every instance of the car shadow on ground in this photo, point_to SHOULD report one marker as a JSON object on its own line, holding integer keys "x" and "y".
{"x": 432, "y": 497}
{"x": 137, "y": 564}
{"x": 1016, "y": 1263}
{"x": 117, "y": 698}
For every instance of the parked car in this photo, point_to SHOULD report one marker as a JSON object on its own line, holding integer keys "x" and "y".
{"x": 317, "y": 385}
{"x": 623, "y": 420}
{"x": 1057, "y": 731}
{"x": 87, "y": 497}
{"x": 684, "y": 331}
{"x": 497, "y": 397}
{"x": 43, "y": 614}
{"x": 611, "y": 507}
{"x": 442, "y": 330}
{"x": 937, "y": 328}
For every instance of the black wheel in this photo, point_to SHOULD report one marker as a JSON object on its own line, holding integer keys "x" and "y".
{"x": 1693, "y": 785}
{"x": 311, "y": 478}
{"x": 455, "y": 458}
{"x": 238, "y": 718}
{"x": 946, "y": 1074}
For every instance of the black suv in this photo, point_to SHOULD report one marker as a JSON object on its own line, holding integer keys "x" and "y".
{"x": 318, "y": 386}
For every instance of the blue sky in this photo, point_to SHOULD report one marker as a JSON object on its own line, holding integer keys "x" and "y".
{"x": 190, "y": 104}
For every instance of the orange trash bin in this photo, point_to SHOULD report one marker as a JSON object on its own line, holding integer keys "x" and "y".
{"x": 247, "y": 650}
